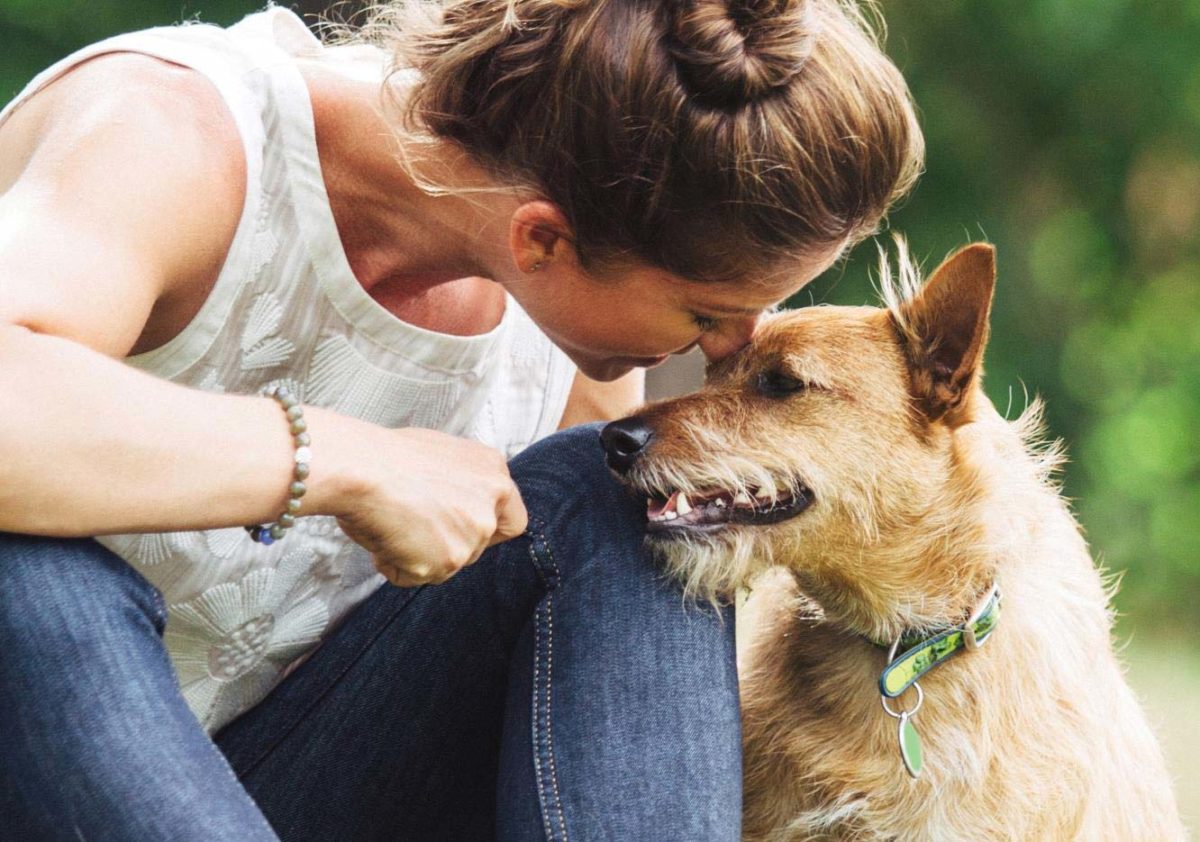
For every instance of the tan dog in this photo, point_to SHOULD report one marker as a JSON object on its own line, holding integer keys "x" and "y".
{"x": 853, "y": 448}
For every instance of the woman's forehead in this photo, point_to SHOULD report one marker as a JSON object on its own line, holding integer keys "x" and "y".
{"x": 761, "y": 291}
{"x": 739, "y": 300}
{"x": 784, "y": 275}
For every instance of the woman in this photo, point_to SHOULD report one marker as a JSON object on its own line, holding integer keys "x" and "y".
{"x": 193, "y": 217}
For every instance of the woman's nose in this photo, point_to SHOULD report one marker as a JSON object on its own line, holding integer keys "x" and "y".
{"x": 733, "y": 335}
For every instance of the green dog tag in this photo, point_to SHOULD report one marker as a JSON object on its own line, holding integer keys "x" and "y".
{"x": 910, "y": 746}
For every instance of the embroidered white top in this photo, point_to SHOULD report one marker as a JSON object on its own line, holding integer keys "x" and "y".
{"x": 286, "y": 308}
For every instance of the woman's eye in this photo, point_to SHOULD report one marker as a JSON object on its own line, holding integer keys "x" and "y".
{"x": 707, "y": 324}
{"x": 776, "y": 384}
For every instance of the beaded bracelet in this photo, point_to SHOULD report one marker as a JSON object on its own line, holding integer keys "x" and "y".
{"x": 271, "y": 532}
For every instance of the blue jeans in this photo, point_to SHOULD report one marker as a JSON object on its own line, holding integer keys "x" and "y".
{"x": 557, "y": 689}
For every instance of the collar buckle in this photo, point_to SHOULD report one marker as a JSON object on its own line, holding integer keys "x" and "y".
{"x": 972, "y": 642}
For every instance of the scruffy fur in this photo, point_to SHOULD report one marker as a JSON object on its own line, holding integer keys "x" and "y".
{"x": 922, "y": 496}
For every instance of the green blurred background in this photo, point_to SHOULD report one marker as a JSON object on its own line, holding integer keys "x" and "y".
{"x": 1067, "y": 132}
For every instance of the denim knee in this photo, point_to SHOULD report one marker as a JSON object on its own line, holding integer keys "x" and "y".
{"x": 568, "y": 468}
{"x": 574, "y": 500}
{"x": 59, "y": 594}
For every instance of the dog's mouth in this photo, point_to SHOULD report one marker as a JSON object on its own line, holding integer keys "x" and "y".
{"x": 714, "y": 509}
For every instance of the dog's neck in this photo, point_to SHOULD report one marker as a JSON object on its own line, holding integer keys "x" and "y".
{"x": 986, "y": 607}
{"x": 965, "y": 539}
{"x": 882, "y": 612}
{"x": 1013, "y": 531}
{"x": 1008, "y": 528}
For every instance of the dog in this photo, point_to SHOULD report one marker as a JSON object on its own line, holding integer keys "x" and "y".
{"x": 927, "y": 653}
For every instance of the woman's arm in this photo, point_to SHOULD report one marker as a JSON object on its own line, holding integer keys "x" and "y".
{"x": 118, "y": 203}
{"x": 130, "y": 182}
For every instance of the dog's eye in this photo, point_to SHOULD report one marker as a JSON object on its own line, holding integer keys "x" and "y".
{"x": 776, "y": 384}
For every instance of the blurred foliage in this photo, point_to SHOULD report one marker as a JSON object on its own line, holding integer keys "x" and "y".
{"x": 1067, "y": 132}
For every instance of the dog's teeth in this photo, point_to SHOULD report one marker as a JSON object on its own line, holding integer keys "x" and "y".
{"x": 720, "y": 503}
{"x": 669, "y": 516}
{"x": 682, "y": 505}
{"x": 742, "y": 499}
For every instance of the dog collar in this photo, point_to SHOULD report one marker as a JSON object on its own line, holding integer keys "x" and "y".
{"x": 921, "y": 654}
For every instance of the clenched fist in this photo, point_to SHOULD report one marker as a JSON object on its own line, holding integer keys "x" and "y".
{"x": 424, "y": 504}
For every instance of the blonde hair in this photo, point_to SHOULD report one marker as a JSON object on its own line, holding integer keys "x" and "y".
{"x": 710, "y": 138}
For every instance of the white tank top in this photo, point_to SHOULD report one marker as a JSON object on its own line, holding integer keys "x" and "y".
{"x": 286, "y": 308}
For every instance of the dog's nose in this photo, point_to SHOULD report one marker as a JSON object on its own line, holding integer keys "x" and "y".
{"x": 624, "y": 441}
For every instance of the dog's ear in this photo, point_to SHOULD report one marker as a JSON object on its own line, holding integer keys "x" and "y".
{"x": 945, "y": 328}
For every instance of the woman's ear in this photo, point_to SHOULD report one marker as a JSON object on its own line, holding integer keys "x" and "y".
{"x": 945, "y": 328}
{"x": 538, "y": 235}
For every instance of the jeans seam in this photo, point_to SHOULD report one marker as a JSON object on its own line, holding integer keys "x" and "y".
{"x": 158, "y": 615}
{"x": 224, "y": 762}
{"x": 161, "y": 604}
{"x": 545, "y": 771}
{"x": 546, "y": 571}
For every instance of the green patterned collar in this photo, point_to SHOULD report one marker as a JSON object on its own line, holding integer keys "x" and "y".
{"x": 918, "y": 654}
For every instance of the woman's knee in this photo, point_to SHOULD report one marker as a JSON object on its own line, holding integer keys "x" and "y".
{"x": 569, "y": 456}
{"x": 582, "y": 521}
{"x": 567, "y": 470}
{"x": 68, "y": 593}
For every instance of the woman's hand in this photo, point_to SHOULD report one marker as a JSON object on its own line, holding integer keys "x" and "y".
{"x": 424, "y": 504}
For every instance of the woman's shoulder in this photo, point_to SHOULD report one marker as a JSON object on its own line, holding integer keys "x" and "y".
{"x": 120, "y": 94}
{"x": 140, "y": 154}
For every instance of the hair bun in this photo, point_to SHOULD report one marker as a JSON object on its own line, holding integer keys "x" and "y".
{"x": 730, "y": 52}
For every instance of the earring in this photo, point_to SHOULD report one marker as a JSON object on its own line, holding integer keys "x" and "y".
{"x": 536, "y": 266}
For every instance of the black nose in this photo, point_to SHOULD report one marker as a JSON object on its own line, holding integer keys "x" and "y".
{"x": 624, "y": 441}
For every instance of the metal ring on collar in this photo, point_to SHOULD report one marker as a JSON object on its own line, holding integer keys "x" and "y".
{"x": 910, "y": 713}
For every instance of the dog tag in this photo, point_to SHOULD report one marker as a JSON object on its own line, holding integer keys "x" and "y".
{"x": 910, "y": 746}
